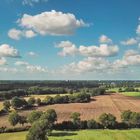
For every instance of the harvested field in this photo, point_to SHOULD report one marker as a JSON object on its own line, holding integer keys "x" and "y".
{"x": 112, "y": 103}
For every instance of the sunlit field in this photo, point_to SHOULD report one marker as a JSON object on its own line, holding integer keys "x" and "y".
{"x": 133, "y": 94}
{"x": 82, "y": 135}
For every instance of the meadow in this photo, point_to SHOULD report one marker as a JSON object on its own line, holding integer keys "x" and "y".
{"x": 133, "y": 134}
{"x": 133, "y": 94}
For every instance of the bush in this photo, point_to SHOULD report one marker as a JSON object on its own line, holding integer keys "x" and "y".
{"x": 108, "y": 120}
{"x": 92, "y": 124}
{"x": 31, "y": 101}
{"x": 34, "y": 116}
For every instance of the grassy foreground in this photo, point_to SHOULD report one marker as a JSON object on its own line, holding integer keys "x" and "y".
{"x": 82, "y": 135}
{"x": 133, "y": 94}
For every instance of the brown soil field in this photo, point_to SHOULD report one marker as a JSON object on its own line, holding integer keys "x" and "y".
{"x": 112, "y": 103}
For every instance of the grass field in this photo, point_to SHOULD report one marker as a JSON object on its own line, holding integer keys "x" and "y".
{"x": 133, "y": 94}
{"x": 112, "y": 90}
{"x": 82, "y": 135}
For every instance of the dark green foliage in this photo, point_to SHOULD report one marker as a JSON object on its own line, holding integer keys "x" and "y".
{"x": 13, "y": 118}
{"x": 6, "y": 105}
{"x": 97, "y": 91}
{"x": 126, "y": 116}
{"x": 49, "y": 115}
{"x": 76, "y": 119}
{"x": 107, "y": 120}
{"x": 92, "y": 124}
{"x": 5, "y": 95}
{"x": 48, "y": 100}
{"x": 131, "y": 118}
{"x": 31, "y": 101}
{"x": 22, "y": 120}
{"x": 18, "y": 103}
{"x": 38, "y": 131}
{"x": 34, "y": 116}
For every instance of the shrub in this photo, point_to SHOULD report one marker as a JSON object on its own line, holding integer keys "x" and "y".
{"x": 107, "y": 120}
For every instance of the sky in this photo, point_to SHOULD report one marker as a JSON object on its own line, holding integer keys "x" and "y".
{"x": 70, "y": 40}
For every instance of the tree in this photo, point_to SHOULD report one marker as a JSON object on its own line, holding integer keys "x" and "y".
{"x": 6, "y": 105}
{"x": 31, "y": 101}
{"x": 48, "y": 100}
{"x": 38, "y": 101}
{"x": 34, "y": 116}
{"x": 49, "y": 115}
{"x": 38, "y": 131}
{"x": 107, "y": 120}
{"x": 58, "y": 99}
{"x": 18, "y": 103}
{"x": 92, "y": 124}
{"x": 22, "y": 120}
{"x": 135, "y": 119}
{"x": 125, "y": 116}
{"x": 75, "y": 117}
{"x": 13, "y": 118}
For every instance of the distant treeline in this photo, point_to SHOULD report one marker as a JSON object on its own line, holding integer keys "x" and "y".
{"x": 10, "y": 85}
{"x": 5, "y": 95}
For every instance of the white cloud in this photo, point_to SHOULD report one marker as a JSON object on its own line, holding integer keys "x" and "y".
{"x": 8, "y": 70}
{"x": 32, "y": 2}
{"x": 32, "y": 54}
{"x": 17, "y": 34}
{"x": 104, "y": 39}
{"x": 21, "y": 63}
{"x": 8, "y": 51}
{"x": 68, "y": 48}
{"x": 129, "y": 42}
{"x": 139, "y": 45}
{"x": 3, "y": 61}
{"x": 51, "y": 23}
{"x": 102, "y": 51}
{"x": 89, "y": 64}
{"x": 138, "y": 30}
{"x": 36, "y": 69}
{"x": 29, "y": 34}
{"x": 130, "y": 58}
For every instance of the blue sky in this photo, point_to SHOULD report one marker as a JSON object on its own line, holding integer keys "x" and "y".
{"x": 69, "y": 39}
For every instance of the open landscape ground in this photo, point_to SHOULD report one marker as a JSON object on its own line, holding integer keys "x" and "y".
{"x": 133, "y": 94}
{"x": 112, "y": 103}
{"x": 82, "y": 135}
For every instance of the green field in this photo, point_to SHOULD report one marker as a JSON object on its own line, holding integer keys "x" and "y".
{"x": 82, "y": 135}
{"x": 112, "y": 90}
{"x": 133, "y": 94}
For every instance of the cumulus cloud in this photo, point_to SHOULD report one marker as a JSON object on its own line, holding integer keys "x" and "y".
{"x": 36, "y": 69}
{"x": 89, "y": 64}
{"x": 130, "y": 58}
{"x": 21, "y": 63}
{"x": 102, "y": 51}
{"x": 8, "y": 51}
{"x": 32, "y": 54}
{"x": 17, "y": 34}
{"x": 138, "y": 30}
{"x": 104, "y": 39}
{"x": 8, "y": 70}
{"x": 29, "y": 34}
{"x": 68, "y": 48}
{"x": 3, "y": 61}
{"x": 129, "y": 42}
{"x": 32, "y": 2}
{"x": 51, "y": 23}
